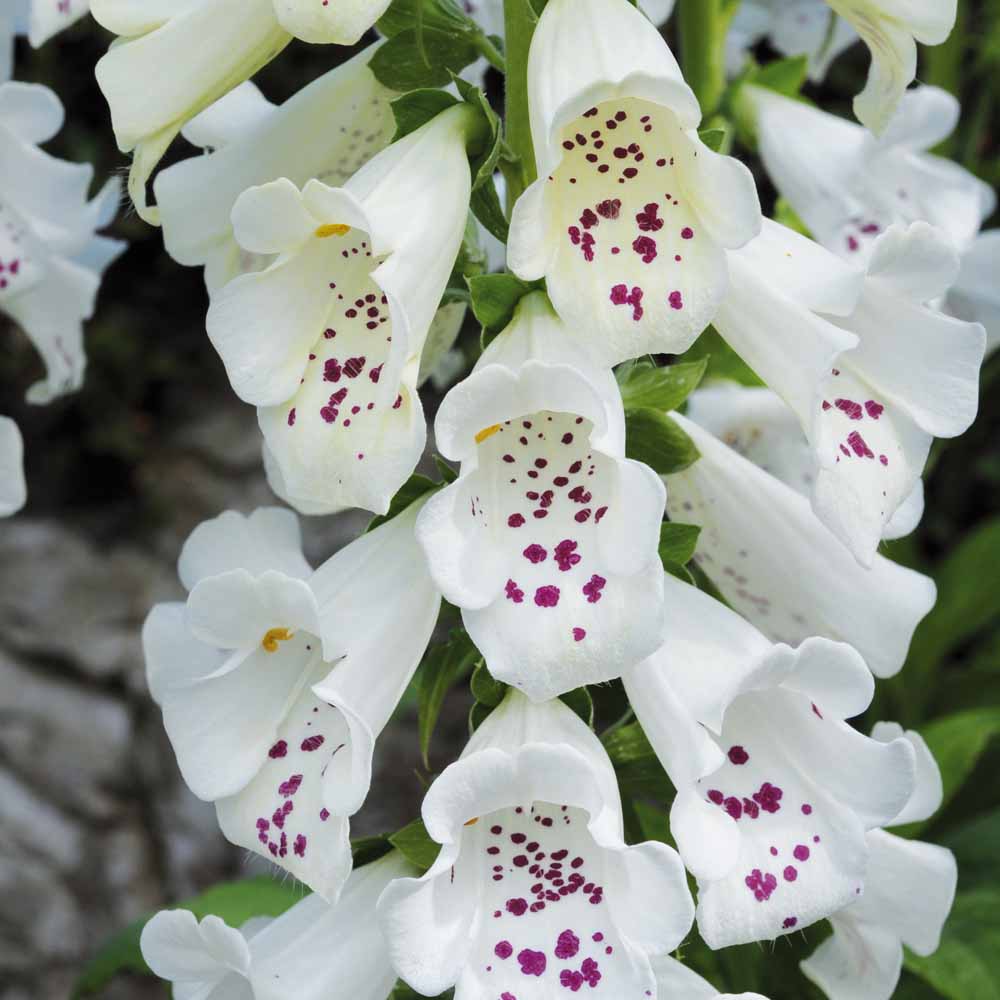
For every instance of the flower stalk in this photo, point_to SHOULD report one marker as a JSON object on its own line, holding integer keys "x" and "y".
{"x": 520, "y": 20}
{"x": 703, "y": 25}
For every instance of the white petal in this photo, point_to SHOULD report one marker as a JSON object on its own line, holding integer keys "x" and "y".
{"x": 229, "y": 119}
{"x": 858, "y": 962}
{"x": 235, "y": 610}
{"x": 343, "y": 23}
{"x": 13, "y": 489}
{"x": 908, "y": 515}
{"x": 378, "y": 608}
{"x": 174, "y": 657}
{"x": 267, "y": 539}
{"x": 327, "y": 130}
{"x": 49, "y": 17}
{"x": 314, "y": 951}
{"x": 928, "y": 790}
{"x": 975, "y": 295}
{"x": 557, "y": 936}
{"x": 32, "y": 112}
{"x": 782, "y": 569}
{"x": 676, "y": 982}
{"x": 179, "y": 948}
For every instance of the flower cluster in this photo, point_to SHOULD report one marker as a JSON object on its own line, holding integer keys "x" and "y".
{"x": 330, "y": 229}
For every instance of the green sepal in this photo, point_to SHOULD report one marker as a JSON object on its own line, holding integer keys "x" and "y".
{"x": 645, "y": 385}
{"x": 653, "y": 438}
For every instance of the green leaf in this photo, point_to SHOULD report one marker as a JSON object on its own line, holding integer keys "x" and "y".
{"x": 789, "y": 218}
{"x": 486, "y": 207}
{"x": 415, "y": 844}
{"x": 417, "y": 108}
{"x": 477, "y": 716}
{"x": 723, "y": 361}
{"x": 646, "y": 385}
{"x": 404, "y": 992}
{"x": 412, "y": 490}
{"x": 448, "y": 474}
{"x": 495, "y": 297}
{"x": 403, "y": 63}
{"x": 785, "y": 76}
{"x": 677, "y": 542}
{"x": 639, "y": 771}
{"x": 486, "y": 154}
{"x": 714, "y": 138}
{"x": 580, "y": 701}
{"x": 652, "y": 437}
{"x": 444, "y": 15}
{"x": 966, "y": 966}
{"x": 679, "y": 571}
{"x": 234, "y": 902}
{"x": 485, "y": 688}
{"x": 365, "y": 850}
{"x": 975, "y": 845}
{"x": 443, "y": 666}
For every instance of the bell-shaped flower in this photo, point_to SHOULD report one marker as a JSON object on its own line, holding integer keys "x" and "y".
{"x": 909, "y": 890}
{"x": 793, "y": 28}
{"x": 631, "y": 214}
{"x": 171, "y": 61}
{"x": 548, "y": 539}
{"x": 275, "y": 681}
{"x": 328, "y": 130}
{"x": 39, "y": 20}
{"x": 873, "y": 378}
{"x": 313, "y": 951}
{"x": 777, "y": 564}
{"x": 534, "y": 890}
{"x": 51, "y": 261}
{"x": 326, "y": 341}
{"x": 756, "y": 423}
{"x": 975, "y": 295}
{"x": 775, "y": 792}
{"x": 848, "y": 186}
{"x": 891, "y": 31}
{"x": 13, "y": 489}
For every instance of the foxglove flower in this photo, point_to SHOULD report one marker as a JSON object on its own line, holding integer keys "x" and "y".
{"x": 777, "y": 564}
{"x": 774, "y": 790}
{"x": 275, "y": 681}
{"x": 872, "y": 383}
{"x": 311, "y": 952}
{"x": 548, "y": 539}
{"x": 891, "y": 31}
{"x": 677, "y": 982}
{"x": 13, "y": 490}
{"x": 151, "y": 99}
{"x": 534, "y": 890}
{"x": 909, "y": 890}
{"x": 327, "y": 131}
{"x": 848, "y": 187}
{"x": 631, "y": 214}
{"x": 39, "y": 20}
{"x": 975, "y": 295}
{"x": 326, "y": 341}
{"x": 757, "y": 424}
{"x": 51, "y": 259}
{"x": 794, "y": 28}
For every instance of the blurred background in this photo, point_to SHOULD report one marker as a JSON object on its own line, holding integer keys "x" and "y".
{"x": 96, "y": 828}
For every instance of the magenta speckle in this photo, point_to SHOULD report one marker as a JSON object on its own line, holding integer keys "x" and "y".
{"x": 503, "y": 949}
{"x": 567, "y": 945}
{"x": 737, "y": 755}
{"x": 278, "y": 750}
{"x": 579, "y": 634}
{"x": 547, "y": 597}
{"x": 532, "y": 962}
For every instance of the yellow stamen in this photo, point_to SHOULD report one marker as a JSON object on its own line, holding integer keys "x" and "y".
{"x": 273, "y": 636}
{"x": 473, "y": 821}
{"x": 486, "y": 432}
{"x": 332, "y": 229}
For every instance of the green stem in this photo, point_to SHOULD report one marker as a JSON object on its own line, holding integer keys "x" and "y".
{"x": 703, "y": 25}
{"x": 490, "y": 52}
{"x": 519, "y": 25}
{"x": 943, "y": 67}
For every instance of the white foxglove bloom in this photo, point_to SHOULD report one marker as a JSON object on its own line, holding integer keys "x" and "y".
{"x": 13, "y": 489}
{"x": 39, "y": 20}
{"x": 631, "y": 214}
{"x": 51, "y": 259}
{"x": 172, "y": 61}
{"x": 909, "y": 891}
{"x": 777, "y": 564}
{"x": 275, "y": 680}
{"x": 794, "y": 28}
{"x": 677, "y": 982}
{"x": 891, "y": 30}
{"x": 975, "y": 296}
{"x": 757, "y": 424}
{"x": 534, "y": 891}
{"x": 548, "y": 539}
{"x": 774, "y": 790}
{"x": 873, "y": 377}
{"x": 327, "y": 131}
{"x": 326, "y": 341}
{"x": 848, "y": 187}
{"x": 313, "y": 951}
